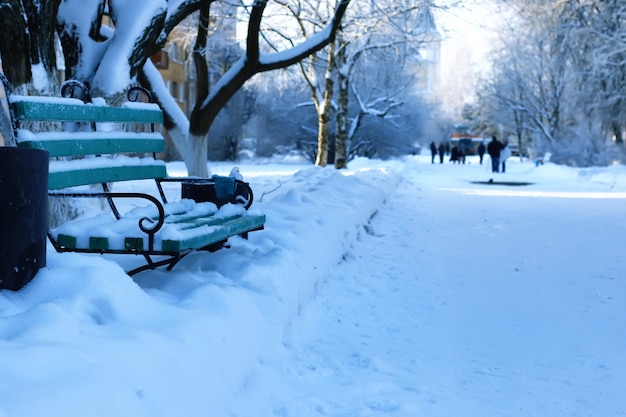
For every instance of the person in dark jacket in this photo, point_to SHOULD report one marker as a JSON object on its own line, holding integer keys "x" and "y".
{"x": 481, "y": 152}
{"x": 442, "y": 151}
{"x": 454, "y": 154}
{"x": 433, "y": 152}
{"x": 460, "y": 155}
{"x": 493, "y": 149}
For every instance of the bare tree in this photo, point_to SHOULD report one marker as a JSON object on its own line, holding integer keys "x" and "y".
{"x": 393, "y": 29}
{"x": 110, "y": 59}
{"x": 532, "y": 79}
{"x": 559, "y": 78}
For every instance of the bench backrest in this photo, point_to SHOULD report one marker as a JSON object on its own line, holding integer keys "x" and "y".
{"x": 108, "y": 139}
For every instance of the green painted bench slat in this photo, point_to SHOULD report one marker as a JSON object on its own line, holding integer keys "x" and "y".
{"x": 67, "y": 110}
{"x": 97, "y": 145}
{"x": 220, "y": 228}
{"x": 133, "y": 244}
{"x": 98, "y": 243}
{"x": 221, "y": 232}
{"x": 215, "y": 235}
{"x": 86, "y": 176}
{"x": 67, "y": 241}
{"x": 211, "y": 221}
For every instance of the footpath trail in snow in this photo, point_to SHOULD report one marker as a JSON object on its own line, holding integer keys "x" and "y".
{"x": 473, "y": 305}
{"x": 356, "y": 349}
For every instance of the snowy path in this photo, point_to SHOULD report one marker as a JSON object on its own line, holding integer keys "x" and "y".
{"x": 517, "y": 339}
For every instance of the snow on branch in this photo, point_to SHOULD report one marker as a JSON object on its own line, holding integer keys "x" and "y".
{"x": 254, "y": 62}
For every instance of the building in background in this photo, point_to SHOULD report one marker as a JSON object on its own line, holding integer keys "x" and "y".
{"x": 175, "y": 61}
{"x": 430, "y": 53}
{"x": 172, "y": 63}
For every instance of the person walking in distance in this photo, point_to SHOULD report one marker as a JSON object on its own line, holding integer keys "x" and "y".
{"x": 481, "y": 151}
{"x": 493, "y": 149}
{"x": 433, "y": 152}
{"x": 442, "y": 151}
{"x": 504, "y": 154}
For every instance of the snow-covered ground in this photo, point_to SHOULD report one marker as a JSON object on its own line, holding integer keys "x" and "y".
{"x": 392, "y": 288}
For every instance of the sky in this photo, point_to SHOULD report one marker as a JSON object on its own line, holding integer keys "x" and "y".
{"x": 469, "y": 32}
{"x": 471, "y": 26}
{"x": 392, "y": 288}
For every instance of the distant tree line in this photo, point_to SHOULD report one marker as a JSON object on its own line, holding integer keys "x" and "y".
{"x": 558, "y": 81}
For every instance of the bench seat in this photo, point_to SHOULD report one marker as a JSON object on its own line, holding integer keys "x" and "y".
{"x": 188, "y": 225}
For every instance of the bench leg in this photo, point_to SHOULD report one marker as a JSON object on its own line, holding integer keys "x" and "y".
{"x": 170, "y": 262}
{"x": 214, "y": 247}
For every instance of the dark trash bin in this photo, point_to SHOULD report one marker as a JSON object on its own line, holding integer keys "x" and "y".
{"x": 219, "y": 190}
{"x": 23, "y": 215}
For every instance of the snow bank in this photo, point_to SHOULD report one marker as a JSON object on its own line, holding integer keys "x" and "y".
{"x": 83, "y": 339}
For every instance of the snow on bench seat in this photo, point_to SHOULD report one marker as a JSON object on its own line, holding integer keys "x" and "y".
{"x": 188, "y": 225}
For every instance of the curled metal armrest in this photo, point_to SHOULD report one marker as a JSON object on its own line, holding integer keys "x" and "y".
{"x": 134, "y": 94}
{"x": 150, "y": 231}
{"x": 76, "y": 89}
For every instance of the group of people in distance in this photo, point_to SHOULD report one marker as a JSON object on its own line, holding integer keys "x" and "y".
{"x": 456, "y": 153}
{"x": 433, "y": 152}
{"x": 498, "y": 152}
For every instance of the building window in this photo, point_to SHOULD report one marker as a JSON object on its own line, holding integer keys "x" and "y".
{"x": 174, "y": 89}
{"x": 176, "y": 52}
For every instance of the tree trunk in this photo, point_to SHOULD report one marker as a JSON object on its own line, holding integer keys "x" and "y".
{"x": 196, "y": 159}
{"x": 341, "y": 139}
{"x": 14, "y": 43}
{"x": 323, "y": 118}
{"x": 617, "y": 132}
{"x": 6, "y": 124}
{"x": 42, "y": 29}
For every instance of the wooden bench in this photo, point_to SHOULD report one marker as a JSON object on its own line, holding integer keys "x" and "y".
{"x": 99, "y": 151}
